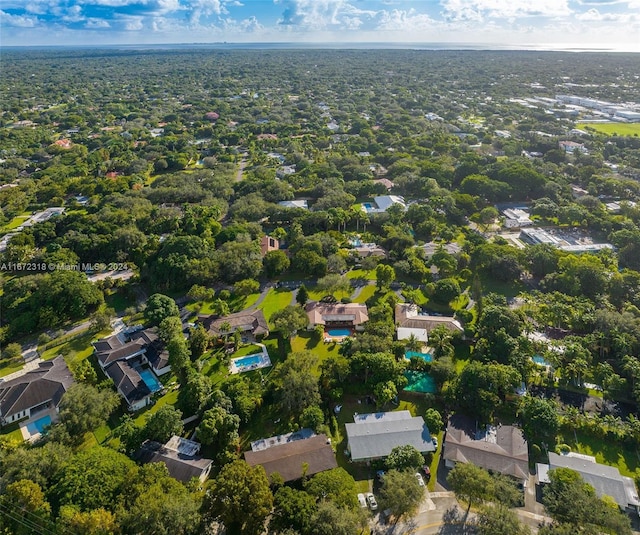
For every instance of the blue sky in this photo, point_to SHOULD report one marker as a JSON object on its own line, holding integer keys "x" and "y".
{"x": 609, "y": 24}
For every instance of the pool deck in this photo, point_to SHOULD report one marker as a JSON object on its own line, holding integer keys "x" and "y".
{"x": 333, "y": 339}
{"x": 23, "y": 425}
{"x": 265, "y": 362}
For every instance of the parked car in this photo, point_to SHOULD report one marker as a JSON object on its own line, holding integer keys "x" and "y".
{"x": 435, "y": 442}
{"x": 420, "y": 480}
{"x": 371, "y": 500}
{"x": 380, "y": 475}
{"x": 362, "y": 500}
{"x": 427, "y": 472}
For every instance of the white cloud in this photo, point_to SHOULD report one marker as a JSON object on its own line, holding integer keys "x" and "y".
{"x": 479, "y": 9}
{"x": 402, "y": 20}
{"x": 251, "y": 25}
{"x": 323, "y": 14}
{"x": 18, "y": 21}
{"x": 97, "y": 24}
{"x": 74, "y": 14}
{"x": 131, "y": 23}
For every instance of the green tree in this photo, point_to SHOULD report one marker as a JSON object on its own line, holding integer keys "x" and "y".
{"x": 170, "y": 328}
{"x": 96, "y": 522}
{"x": 499, "y": 520}
{"x": 246, "y": 287}
{"x": 288, "y": 320}
{"x": 385, "y": 275}
{"x": 312, "y": 417}
{"x": 330, "y": 519}
{"x": 24, "y": 500}
{"x": 198, "y": 341}
{"x": 238, "y": 489}
{"x": 446, "y": 290}
{"x": 302, "y": 296}
{"x": 219, "y": 429}
{"x": 163, "y": 424}
{"x": 275, "y": 263}
{"x": 12, "y": 351}
{"x": 333, "y": 283}
{"x": 335, "y": 485}
{"x": 293, "y": 509}
{"x": 179, "y": 355}
{"x": 385, "y": 392}
{"x": 434, "y": 421}
{"x": 83, "y": 408}
{"x": 401, "y": 493}
{"x": 92, "y": 479}
{"x": 159, "y": 307}
{"x": 296, "y": 386}
{"x": 539, "y": 420}
{"x": 405, "y": 457}
{"x": 471, "y": 484}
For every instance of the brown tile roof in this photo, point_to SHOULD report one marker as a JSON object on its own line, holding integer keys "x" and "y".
{"x": 48, "y": 382}
{"x": 247, "y": 320}
{"x": 323, "y": 313}
{"x": 502, "y": 450}
{"x": 288, "y": 459}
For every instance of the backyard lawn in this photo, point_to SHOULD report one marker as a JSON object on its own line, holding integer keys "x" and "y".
{"x": 16, "y": 222}
{"x": 624, "y": 458}
{"x": 276, "y": 299}
{"x": 362, "y": 274}
{"x": 366, "y": 293}
{"x": 8, "y": 366}
{"x": 309, "y": 341}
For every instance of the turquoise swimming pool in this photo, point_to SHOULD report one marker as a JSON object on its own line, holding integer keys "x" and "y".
{"x": 339, "y": 332}
{"x": 424, "y": 356}
{"x": 39, "y": 425}
{"x": 420, "y": 382}
{"x": 150, "y": 380}
{"x": 249, "y": 360}
{"x": 540, "y": 361}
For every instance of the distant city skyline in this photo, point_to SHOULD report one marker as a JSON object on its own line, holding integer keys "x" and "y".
{"x": 538, "y": 24}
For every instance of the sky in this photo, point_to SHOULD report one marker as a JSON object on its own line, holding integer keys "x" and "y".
{"x": 542, "y": 24}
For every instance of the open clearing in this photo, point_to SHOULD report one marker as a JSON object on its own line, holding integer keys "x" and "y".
{"x": 619, "y": 129}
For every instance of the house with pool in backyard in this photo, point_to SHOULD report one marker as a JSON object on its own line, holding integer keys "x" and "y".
{"x": 339, "y": 320}
{"x": 134, "y": 360}
{"x": 33, "y": 398}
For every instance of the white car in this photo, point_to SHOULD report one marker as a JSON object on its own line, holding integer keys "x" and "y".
{"x": 371, "y": 500}
{"x": 362, "y": 500}
{"x": 435, "y": 442}
{"x": 420, "y": 480}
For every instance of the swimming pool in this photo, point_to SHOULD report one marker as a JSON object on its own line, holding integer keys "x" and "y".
{"x": 539, "y": 360}
{"x": 420, "y": 382}
{"x": 150, "y": 380}
{"x": 339, "y": 332}
{"x": 249, "y": 360}
{"x": 38, "y": 426}
{"x": 367, "y": 206}
{"x": 424, "y": 356}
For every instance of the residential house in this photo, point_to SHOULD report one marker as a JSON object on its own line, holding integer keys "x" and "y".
{"x": 382, "y": 203}
{"x": 431, "y": 247}
{"x": 373, "y": 436}
{"x": 181, "y": 456}
{"x": 516, "y": 217}
{"x": 128, "y": 359}
{"x": 35, "y": 391}
{"x": 297, "y": 203}
{"x": 293, "y": 456}
{"x": 250, "y": 322}
{"x": 267, "y": 243}
{"x": 411, "y": 321}
{"x": 350, "y": 315}
{"x": 364, "y": 250}
{"x": 501, "y": 448}
{"x": 606, "y": 480}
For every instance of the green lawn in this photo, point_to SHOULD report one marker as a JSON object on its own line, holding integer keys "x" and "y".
{"x": 362, "y": 274}
{"x": 170, "y": 398}
{"x": 11, "y": 432}
{"x": 366, "y": 293}
{"x": 624, "y": 458}
{"x": 276, "y": 299}
{"x": 315, "y": 295}
{"x": 308, "y": 341}
{"x": 8, "y": 366}
{"x": 15, "y": 222}
{"x": 508, "y": 289}
{"x": 620, "y": 129}
{"x": 75, "y": 349}
{"x": 118, "y": 301}
{"x": 236, "y": 304}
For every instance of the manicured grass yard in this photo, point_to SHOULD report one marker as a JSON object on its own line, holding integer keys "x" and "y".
{"x": 170, "y": 398}
{"x": 624, "y": 458}
{"x": 620, "y": 129}
{"x": 315, "y": 295}
{"x": 236, "y": 304}
{"x": 366, "y": 293}
{"x": 76, "y": 349}
{"x": 15, "y": 222}
{"x": 308, "y": 341}
{"x": 11, "y": 432}
{"x": 8, "y": 366}
{"x": 362, "y": 274}
{"x": 276, "y": 299}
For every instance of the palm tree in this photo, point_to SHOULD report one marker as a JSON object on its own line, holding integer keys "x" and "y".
{"x": 413, "y": 344}
{"x": 225, "y": 330}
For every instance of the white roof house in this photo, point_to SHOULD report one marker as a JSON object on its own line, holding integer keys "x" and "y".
{"x": 382, "y": 203}
{"x": 373, "y": 436}
{"x": 298, "y": 203}
{"x": 516, "y": 217}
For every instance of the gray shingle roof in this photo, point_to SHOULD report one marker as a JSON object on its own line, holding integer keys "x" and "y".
{"x": 48, "y": 382}
{"x": 375, "y": 439}
{"x": 181, "y": 467}
{"x": 504, "y": 450}
{"x": 607, "y": 480}
{"x": 128, "y": 381}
